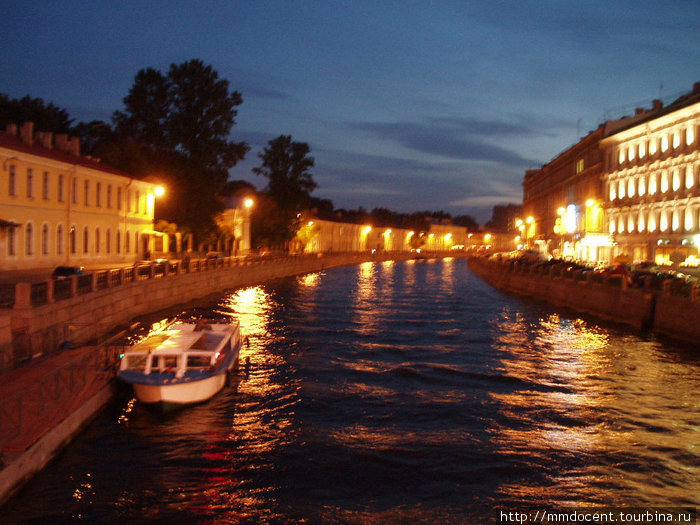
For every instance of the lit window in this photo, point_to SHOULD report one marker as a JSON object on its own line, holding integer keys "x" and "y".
{"x": 642, "y": 185}
{"x": 652, "y": 147}
{"x": 630, "y": 153}
{"x": 620, "y": 225}
{"x": 675, "y": 221}
{"x": 611, "y": 227}
{"x": 689, "y": 136}
{"x": 676, "y": 181}
{"x": 640, "y": 222}
{"x": 579, "y": 166}
{"x": 689, "y": 181}
{"x": 652, "y": 184}
{"x": 630, "y": 187}
{"x": 652, "y": 222}
{"x": 663, "y": 221}
{"x": 613, "y": 194}
{"x": 621, "y": 156}
{"x": 689, "y": 225}
{"x": 630, "y": 224}
{"x": 642, "y": 150}
{"x": 664, "y": 143}
{"x": 676, "y": 139}
{"x": 621, "y": 189}
{"x": 664, "y": 182}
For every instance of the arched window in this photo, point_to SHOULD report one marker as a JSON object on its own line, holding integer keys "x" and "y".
{"x": 675, "y": 220}
{"x": 630, "y": 223}
{"x": 127, "y": 243}
{"x": 29, "y": 238}
{"x": 59, "y": 239}
{"x": 689, "y": 178}
{"x": 45, "y": 239}
{"x": 108, "y": 241}
{"x": 663, "y": 221}
{"x": 86, "y": 240}
{"x": 97, "y": 240}
{"x": 620, "y": 224}
{"x": 621, "y": 189}
{"x": 652, "y": 183}
{"x": 689, "y": 223}
{"x": 651, "y": 226}
{"x": 664, "y": 143}
{"x": 631, "y": 187}
{"x": 640, "y": 221}
{"x": 676, "y": 139}
{"x": 642, "y": 185}
{"x": 676, "y": 180}
{"x": 664, "y": 181}
{"x": 73, "y": 240}
{"x": 119, "y": 241}
{"x": 611, "y": 191}
{"x": 12, "y": 241}
{"x": 689, "y": 136}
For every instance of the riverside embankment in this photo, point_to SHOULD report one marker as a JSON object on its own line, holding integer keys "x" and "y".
{"x": 49, "y": 392}
{"x": 672, "y": 310}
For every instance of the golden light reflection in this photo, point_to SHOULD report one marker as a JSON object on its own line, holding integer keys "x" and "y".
{"x": 310, "y": 280}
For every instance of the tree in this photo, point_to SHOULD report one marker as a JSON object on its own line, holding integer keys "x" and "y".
{"x": 176, "y": 127}
{"x": 46, "y": 117}
{"x": 286, "y": 166}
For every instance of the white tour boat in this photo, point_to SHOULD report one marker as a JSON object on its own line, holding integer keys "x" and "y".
{"x": 186, "y": 363}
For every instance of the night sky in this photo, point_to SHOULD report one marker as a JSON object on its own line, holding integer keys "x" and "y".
{"x": 406, "y": 105}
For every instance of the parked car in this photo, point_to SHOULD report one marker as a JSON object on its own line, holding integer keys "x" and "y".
{"x": 64, "y": 272}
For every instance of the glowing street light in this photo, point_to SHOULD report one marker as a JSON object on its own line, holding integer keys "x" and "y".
{"x": 248, "y": 203}
{"x": 159, "y": 191}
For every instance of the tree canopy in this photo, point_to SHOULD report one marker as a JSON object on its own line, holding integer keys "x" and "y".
{"x": 46, "y": 117}
{"x": 175, "y": 128}
{"x": 285, "y": 164}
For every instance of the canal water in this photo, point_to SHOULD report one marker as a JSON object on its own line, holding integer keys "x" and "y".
{"x": 395, "y": 392}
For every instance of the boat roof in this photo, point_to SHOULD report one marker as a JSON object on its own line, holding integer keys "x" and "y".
{"x": 184, "y": 337}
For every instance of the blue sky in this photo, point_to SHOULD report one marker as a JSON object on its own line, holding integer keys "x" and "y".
{"x": 406, "y": 105}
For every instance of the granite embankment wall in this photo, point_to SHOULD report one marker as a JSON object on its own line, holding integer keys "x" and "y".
{"x": 46, "y": 315}
{"x": 667, "y": 311}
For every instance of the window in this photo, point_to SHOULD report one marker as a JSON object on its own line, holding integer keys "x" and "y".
{"x": 119, "y": 241}
{"x": 97, "y": 240}
{"x": 127, "y": 246}
{"x": 73, "y": 241}
{"x": 12, "y": 241}
{"x": 642, "y": 186}
{"x": 689, "y": 136}
{"x": 109, "y": 195}
{"x": 59, "y": 239}
{"x": 676, "y": 181}
{"x": 60, "y": 195}
{"x": 642, "y": 150}
{"x": 652, "y": 184}
{"x": 579, "y": 166}
{"x": 630, "y": 153}
{"x": 640, "y": 222}
{"x": 689, "y": 224}
{"x": 86, "y": 190}
{"x": 689, "y": 180}
{"x": 45, "y": 186}
{"x": 29, "y": 238}
{"x": 86, "y": 240}
{"x": 45, "y": 239}
{"x": 12, "y": 181}
{"x": 128, "y": 200}
{"x": 652, "y": 147}
{"x": 631, "y": 187}
{"x": 30, "y": 183}
{"x": 74, "y": 191}
{"x": 108, "y": 241}
{"x": 612, "y": 192}
{"x": 621, "y": 189}
{"x": 137, "y": 202}
{"x": 98, "y": 194}
{"x": 676, "y": 139}
{"x": 119, "y": 198}
{"x": 664, "y": 182}
{"x": 621, "y": 156}
{"x": 664, "y": 143}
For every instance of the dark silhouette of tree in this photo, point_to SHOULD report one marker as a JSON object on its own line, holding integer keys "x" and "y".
{"x": 46, "y": 117}
{"x": 175, "y": 128}
{"x": 467, "y": 221}
{"x": 286, "y": 166}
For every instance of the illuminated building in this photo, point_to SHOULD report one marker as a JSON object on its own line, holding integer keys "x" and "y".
{"x": 58, "y": 207}
{"x": 652, "y": 182}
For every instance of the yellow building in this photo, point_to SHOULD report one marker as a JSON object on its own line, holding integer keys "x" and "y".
{"x": 652, "y": 183}
{"x": 60, "y": 208}
{"x": 317, "y": 235}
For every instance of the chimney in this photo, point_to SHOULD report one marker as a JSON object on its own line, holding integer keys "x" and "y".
{"x": 26, "y": 132}
{"x": 11, "y": 129}
{"x": 696, "y": 87}
{"x": 61, "y": 142}
{"x": 638, "y": 111}
{"x": 657, "y": 104}
{"x": 74, "y": 146}
{"x": 45, "y": 138}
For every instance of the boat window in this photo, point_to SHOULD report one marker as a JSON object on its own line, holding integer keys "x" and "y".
{"x": 136, "y": 362}
{"x": 198, "y": 362}
{"x": 164, "y": 363}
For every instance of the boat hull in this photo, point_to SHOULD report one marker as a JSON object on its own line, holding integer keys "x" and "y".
{"x": 181, "y": 393}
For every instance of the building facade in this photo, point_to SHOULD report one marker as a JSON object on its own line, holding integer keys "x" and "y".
{"x": 58, "y": 207}
{"x": 563, "y": 213}
{"x": 652, "y": 184}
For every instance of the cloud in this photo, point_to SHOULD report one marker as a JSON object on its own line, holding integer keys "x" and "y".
{"x": 453, "y": 138}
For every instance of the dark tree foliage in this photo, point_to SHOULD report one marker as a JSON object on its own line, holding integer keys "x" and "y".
{"x": 175, "y": 128}
{"x": 235, "y": 188}
{"x": 46, "y": 117}
{"x": 286, "y": 166}
{"x": 322, "y": 208}
{"x": 467, "y": 221}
